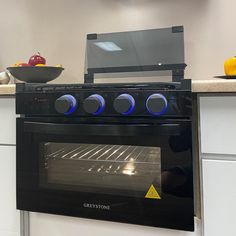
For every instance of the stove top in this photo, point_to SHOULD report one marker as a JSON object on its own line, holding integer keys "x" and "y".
{"x": 111, "y": 100}
{"x": 185, "y": 84}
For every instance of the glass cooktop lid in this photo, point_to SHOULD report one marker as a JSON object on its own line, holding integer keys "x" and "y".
{"x": 135, "y": 51}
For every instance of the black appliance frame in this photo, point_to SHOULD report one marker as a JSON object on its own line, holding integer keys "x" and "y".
{"x": 175, "y": 210}
{"x": 177, "y": 71}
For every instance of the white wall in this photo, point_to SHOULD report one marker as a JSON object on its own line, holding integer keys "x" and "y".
{"x": 57, "y": 28}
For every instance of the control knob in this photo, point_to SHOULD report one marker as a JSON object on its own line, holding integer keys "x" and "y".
{"x": 65, "y": 104}
{"x": 156, "y": 104}
{"x": 94, "y": 104}
{"x": 124, "y": 104}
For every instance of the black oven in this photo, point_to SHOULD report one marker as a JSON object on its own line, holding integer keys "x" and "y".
{"x": 131, "y": 168}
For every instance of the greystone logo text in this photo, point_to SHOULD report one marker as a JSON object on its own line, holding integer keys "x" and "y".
{"x": 97, "y": 206}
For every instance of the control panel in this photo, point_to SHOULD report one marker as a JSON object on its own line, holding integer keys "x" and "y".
{"x": 91, "y": 102}
{"x": 124, "y": 104}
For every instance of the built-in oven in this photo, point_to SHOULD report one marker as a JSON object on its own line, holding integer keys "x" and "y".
{"x": 126, "y": 169}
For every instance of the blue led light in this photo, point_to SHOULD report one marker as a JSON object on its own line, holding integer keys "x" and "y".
{"x": 74, "y": 103}
{"x": 130, "y": 98}
{"x": 155, "y": 95}
{"x": 102, "y": 101}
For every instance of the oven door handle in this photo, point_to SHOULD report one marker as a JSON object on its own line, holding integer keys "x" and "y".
{"x": 105, "y": 129}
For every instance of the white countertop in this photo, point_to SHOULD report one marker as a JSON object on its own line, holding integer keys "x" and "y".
{"x": 7, "y": 89}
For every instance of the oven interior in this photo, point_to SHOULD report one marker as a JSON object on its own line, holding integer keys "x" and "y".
{"x": 112, "y": 169}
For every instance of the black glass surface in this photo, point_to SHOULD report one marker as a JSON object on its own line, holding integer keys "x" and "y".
{"x": 135, "y": 48}
{"x": 43, "y": 104}
{"x": 44, "y": 185}
{"x": 136, "y": 51}
{"x": 124, "y": 170}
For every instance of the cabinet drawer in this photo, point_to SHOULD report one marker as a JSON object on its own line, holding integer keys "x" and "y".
{"x": 218, "y": 124}
{"x": 8, "y": 121}
{"x": 219, "y": 194}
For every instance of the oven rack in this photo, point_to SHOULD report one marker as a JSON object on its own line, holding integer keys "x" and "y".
{"x": 107, "y": 153}
{"x": 106, "y": 170}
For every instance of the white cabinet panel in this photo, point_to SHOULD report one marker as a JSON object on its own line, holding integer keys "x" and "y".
{"x": 9, "y": 216}
{"x": 218, "y": 124}
{"x": 7, "y": 121}
{"x": 51, "y": 225}
{"x": 219, "y": 194}
{"x": 8, "y": 233}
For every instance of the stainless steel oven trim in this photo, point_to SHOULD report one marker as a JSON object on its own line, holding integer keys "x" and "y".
{"x": 24, "y": 223}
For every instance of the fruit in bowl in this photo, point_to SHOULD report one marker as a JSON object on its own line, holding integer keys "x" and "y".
{"x": 40, "y": 65}
{"x": 36, "y": 71}
{"x": 37, "y": 59}
{"x": 23, "y": 64}
{"x": 230, "y": 66}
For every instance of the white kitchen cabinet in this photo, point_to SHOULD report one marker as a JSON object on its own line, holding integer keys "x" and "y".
{"x": 218, "y": 124}
{"x": 52, "y": 225}
{"x": 8, "y": 121}
{"x": 219, "y": 194}
{"x": 9, "y": 216}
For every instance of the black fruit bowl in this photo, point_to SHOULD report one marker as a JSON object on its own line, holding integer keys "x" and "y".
{"x": 35, "y": 74}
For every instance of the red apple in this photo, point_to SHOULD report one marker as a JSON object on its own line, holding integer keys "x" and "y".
{"x": 37, "y": 59}
{"x": 23, "y": 64}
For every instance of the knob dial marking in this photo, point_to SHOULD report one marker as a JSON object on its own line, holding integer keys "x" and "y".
{"x": 94, "y": 104}
{"x": 65, "y": 104}
{"x": 124, "y": 104}
{"x": 156, "y": 104}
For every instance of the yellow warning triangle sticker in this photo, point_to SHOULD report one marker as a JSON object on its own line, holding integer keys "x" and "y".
{"x": 152, "y": 193}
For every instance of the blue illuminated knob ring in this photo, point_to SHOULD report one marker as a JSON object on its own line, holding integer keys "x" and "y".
{"x": 66, "y": 104}
{"x": 124, "y": 104}
{"x": 156, "y": 104}
{"x": 94, "y": 104}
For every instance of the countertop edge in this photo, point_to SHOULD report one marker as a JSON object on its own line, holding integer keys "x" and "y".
{"x": 7, "y": 90}
{"x": 214, "y": 86}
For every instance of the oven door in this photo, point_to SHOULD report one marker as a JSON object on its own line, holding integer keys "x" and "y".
{"x": 134, "y": 173}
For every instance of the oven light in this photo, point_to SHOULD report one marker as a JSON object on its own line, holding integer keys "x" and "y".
{"x": 108, "y": 46}
{"x": 128, "y": 172}
{"x": 129, "y": 168}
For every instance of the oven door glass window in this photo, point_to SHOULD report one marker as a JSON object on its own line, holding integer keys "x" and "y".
{"x": 125, "y": 170}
